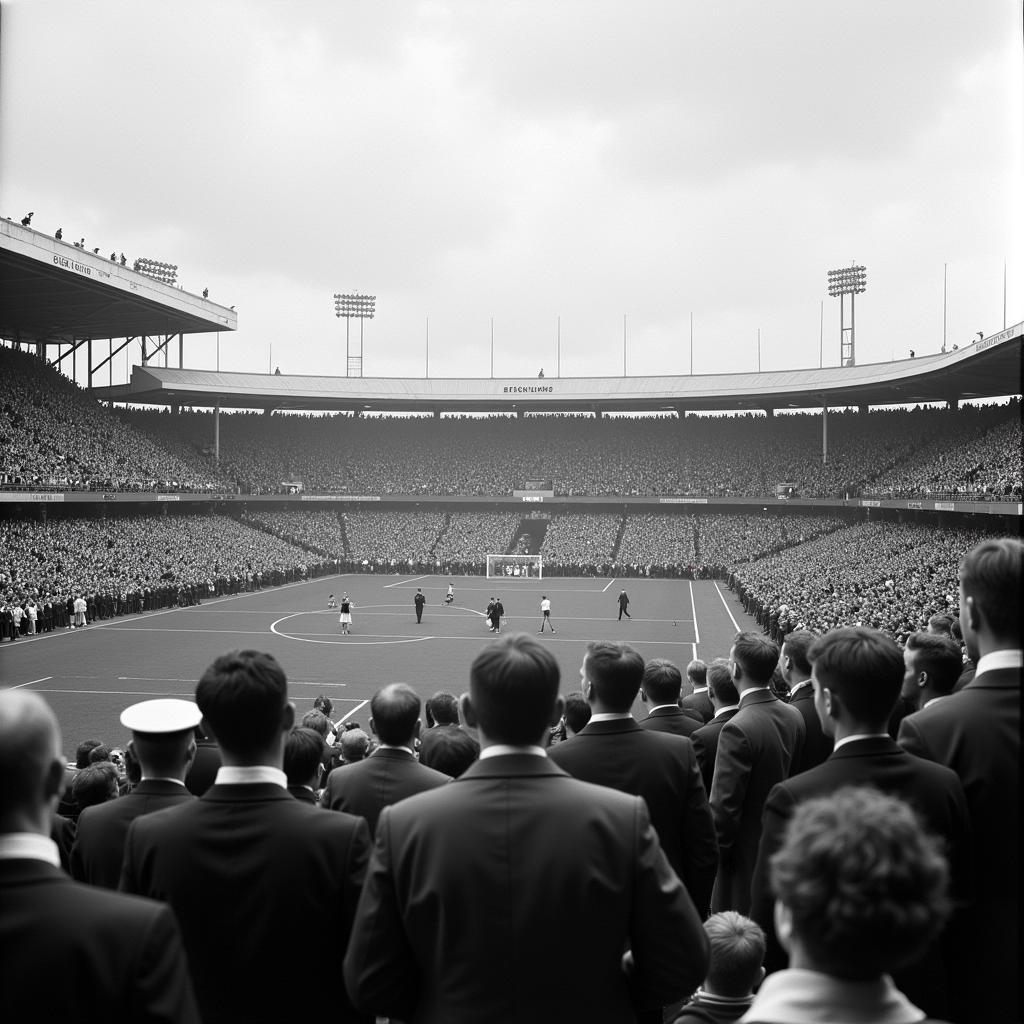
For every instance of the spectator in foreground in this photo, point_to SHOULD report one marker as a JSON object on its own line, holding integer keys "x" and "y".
{"x": 737, "y": 952}
{"x": 303, "y": 763}
{"x": 65, "y": 946}
{"x": 933, "y": 664}
{"x": 859, "y": 888}
{"x": 246, "y": 865}
{"x": 532, "y": 930}
{"x": 660, "y": 687}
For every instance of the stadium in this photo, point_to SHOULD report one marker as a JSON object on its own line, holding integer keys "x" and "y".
{"x": 647, "y": 696}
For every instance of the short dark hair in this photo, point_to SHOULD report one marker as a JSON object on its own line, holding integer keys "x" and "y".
{"x": 317, "y": 721}
{"x": 354, "y": 745}
{"x": 865, "y": 884}
{"x": 863, "y": 667}
{"x": 615, "y": 671}
{"x": 241, "y": 696}
{"x": 737, "y": 947}
{"x": 94, "y": 783}
{"x": 757, "y": 655}
{"x": 662, "y": 681}
{"x": 101, "y": 752}
{"x": 697, "y": 672}
{"x": 940, "y": 624}
{"x": 990, "y": 573}
{"x": 442, "y": 708}
{"x": 720, "y": 683}
{"x": 939, "y": 656}
{"x": 303, "y": 754}
{"x": 395, "y": 709}
{"x": 513, "y": 686}
{"x": 323, "y": 702}
{"x": 83, "y": 750}
{"x": 577, "y": 711}
{"x": 451, "y": 751}
{"x": 795, "y": 645}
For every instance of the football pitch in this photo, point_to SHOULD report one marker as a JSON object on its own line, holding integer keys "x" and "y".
{"x": 90, "y": 675}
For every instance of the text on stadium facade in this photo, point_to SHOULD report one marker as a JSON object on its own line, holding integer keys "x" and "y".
{"x": 513, "y": 389}
{"x": 63, "y": 261}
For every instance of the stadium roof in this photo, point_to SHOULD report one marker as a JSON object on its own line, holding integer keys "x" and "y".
{"x": 53, "y": 292}
{"x": 988, "y": 368}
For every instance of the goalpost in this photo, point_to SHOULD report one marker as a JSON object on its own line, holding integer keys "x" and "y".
{"x": 515, "y": 567}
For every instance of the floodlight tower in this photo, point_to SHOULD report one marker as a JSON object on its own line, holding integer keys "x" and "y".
{"x": 361, "y": 307}
{"x": 847, "y": 281}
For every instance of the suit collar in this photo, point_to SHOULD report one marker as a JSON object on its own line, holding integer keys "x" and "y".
{"x": 159, "y": 787}
{"x": 666, "y": 711}
{"x": 995, "y": 679}
{"x": 511, "y": 765}
{"x": 758, "y": 696}
{"x": 608, "y": 728}
{"x": 392, "y": 753}
{"x": 28, "y": 871}
{"x": 867, "y": 746}
{"x": 246, "y": 792}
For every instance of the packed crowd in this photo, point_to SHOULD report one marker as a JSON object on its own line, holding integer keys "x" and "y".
{"x": 888, "y": 576}
{"x": 577, "y": 544}
{"x": 756, "y": 836}
{"x": 315, "y": 530}
{"x": 972, "y": 452}
{"x": 57, "y": 438}
{"x": 132, "y": 564}
{"x": 389, "y": 541}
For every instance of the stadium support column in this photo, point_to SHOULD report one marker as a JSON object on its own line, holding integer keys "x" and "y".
{"x": 824, "y": 431}
{"x": 88, "y": 357}
{"x": 216, "y": 434}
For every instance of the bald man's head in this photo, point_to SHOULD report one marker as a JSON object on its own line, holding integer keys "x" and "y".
{"x": 31, "y": 765}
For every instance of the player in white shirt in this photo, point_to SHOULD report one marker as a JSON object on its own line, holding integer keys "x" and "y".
{"x": 545, "y": 611}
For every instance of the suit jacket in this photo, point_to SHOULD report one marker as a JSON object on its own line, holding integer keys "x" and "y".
{"x": 99, "y": 845}
{"x": 699, "y": 703}
{"x": 673, "y": 720}
{"x": 510, "y": 894}
{"x": 705, "y": 745}
{"x": 259, "y": 883}
{"x": 303, "y": 794}
{"x": 67, "y": 949}
{"x": 204, "y": 767}
{"x": 62, "y": 832}
{"x": 976, "y": 732}
{"x": 756, "y": 749}
{"x": 385, "y": 777}
{"x": 663, "y": 770}
{"x": 933, "y": 791}
{"x": 817, "y": 744}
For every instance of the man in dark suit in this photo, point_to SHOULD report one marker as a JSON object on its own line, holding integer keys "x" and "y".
{"x": 205, "y": 764}
{"x": 755, "y": 751}
{"x": 163, "y": 743}
{"x": 258, "y": 881}
{"x": 442, "y": 714}
{"x": 932, "y": 664}
{"x": 976, "y": 732}
{"x": 698, "y": 701}
{"x": 726, "y": 702}
{"x": 544, "y": 881}
{"x": 391, "y": 773}
{"x": 612, "y": 750}
{"x": 857, "y": 675}
{"x": 303, "y": 762}
{"x": 796, "y": 670}
{"x": 419, "y": 601}
{"x": 65, "y": 947}
{"x": 660, "y": 687}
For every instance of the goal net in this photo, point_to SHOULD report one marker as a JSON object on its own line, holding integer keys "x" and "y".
{"x": 515, "y": 567}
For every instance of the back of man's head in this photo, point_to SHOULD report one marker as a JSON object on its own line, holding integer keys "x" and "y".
{"x": 794, "y": 650}
{"x": 662, "y": 681}
{"x": 442, "y": 709}
{"x": 863, "y": 668}
{"x": 163, "y": 755}
{"x": 513, "y": 690}
{"x": 83, "y": 751}
{"x": 861, "y": 885}
{"x": 95, "y": 784}
{"x": 756, "y": 655}
{"x": 354, "y": 745}
{"x": 940, "y": 624}
{"x": 577, "y": 712}
{"x": 614, "y": 671}
{"x": 394, "y": 713}
{"x": 451, "y": 751}
{"x": 697, "y": 673}
{"x": 242, "y": 696}
{"x": 303, "y": 756}
{"x": 31, "y": 767}
{"x": 99, "y": 753}
{"x": 317, "y": 721}
{"x": 720, "y": 685}
{"x": 990, "y": 577}
{"x": 737, "y": 947}
{"x": 939, "y": 656}
{"x": 323, "y": 703}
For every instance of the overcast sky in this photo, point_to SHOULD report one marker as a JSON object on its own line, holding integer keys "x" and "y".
{"x": 529, "y": 161}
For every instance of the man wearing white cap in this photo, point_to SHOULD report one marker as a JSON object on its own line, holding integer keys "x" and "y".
{"x": 163, "y": 743}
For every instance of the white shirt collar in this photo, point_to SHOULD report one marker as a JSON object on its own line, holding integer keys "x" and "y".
{"x": 928, "y": 703}
{"x": 611, "y": 716}
{"x": 29, "y": 846}
{"x": 753, "y": 689}
{"x": 161, "y": 778}
{"x": 241, "y": 776}
{"x": 728, "y": 707}
{"x": 799, "y": 686}
{"x": 699, "y": 689}
{"x": 859, "y": 736}
{"x": 1000, "y": 659}
{"x": 502, "y": 749}
{"x": 657, "y": 707}
{"x": 393, "y": 746}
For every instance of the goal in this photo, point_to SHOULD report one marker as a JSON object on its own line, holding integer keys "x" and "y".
{"x": 515, "y": 567}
